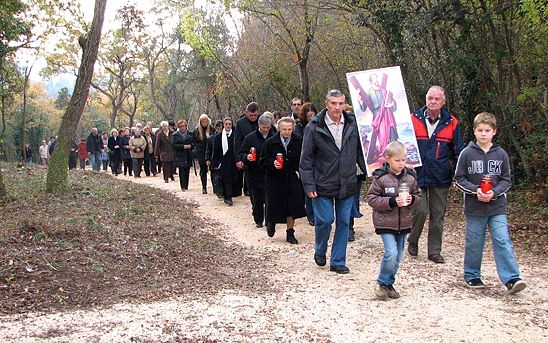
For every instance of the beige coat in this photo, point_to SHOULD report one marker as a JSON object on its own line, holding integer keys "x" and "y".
{"x": 137, "y": 146}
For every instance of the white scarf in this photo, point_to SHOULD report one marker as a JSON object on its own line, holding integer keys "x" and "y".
{"x": 224, "y": 140}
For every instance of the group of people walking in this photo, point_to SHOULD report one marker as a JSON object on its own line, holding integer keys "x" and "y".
{"x": 310, "y": 164}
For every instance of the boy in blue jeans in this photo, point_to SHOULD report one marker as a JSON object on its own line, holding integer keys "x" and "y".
{"x": 393, "y": 192}
{"x": 487, "y": 206}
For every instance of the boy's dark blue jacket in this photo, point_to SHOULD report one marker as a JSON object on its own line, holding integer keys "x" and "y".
{"x": 472, "y": 164}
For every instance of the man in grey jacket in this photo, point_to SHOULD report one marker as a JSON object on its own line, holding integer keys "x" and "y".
{"x": 331, "y": 149}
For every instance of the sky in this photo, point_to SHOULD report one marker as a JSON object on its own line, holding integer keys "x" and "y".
{"x": 87, "y": 7}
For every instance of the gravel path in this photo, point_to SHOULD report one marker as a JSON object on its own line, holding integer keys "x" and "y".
{"x": 309, "y": 302}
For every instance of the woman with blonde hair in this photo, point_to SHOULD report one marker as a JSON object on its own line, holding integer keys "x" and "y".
{"x": 202, "y": 132}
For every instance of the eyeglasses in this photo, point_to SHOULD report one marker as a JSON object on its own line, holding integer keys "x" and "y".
{"x": 295, "y": 104}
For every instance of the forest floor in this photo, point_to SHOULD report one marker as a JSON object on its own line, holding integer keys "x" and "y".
{"x": 142, "y": 261}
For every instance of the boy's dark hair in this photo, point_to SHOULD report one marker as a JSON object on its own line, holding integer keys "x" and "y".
{"x": 252, "y": 107}
{"x": 485, "y": 118}
{"x": 218, "y": 123}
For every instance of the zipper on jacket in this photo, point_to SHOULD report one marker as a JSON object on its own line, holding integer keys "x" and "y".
{"x": 438, "y": 151}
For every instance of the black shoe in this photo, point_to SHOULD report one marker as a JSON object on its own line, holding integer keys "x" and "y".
{"x": 515, "y": 285}
{"x": 413, "y": 249}
{"x": 290, "y": 238}
{"x": 311, "y": 223}
{"x": 172, "y": 178}
{"x": 339, "y": 269}
{"x": 259, "y": 225}
{"x": 204, "y": 190}
{"x": 270, "y": 229}
{"x": 320, "y": 260}
{"x": 351, "y": 235}
{"x": 166, "y": 180}
{"x": 436, "y": 258}
{"x": 475, "y": 283}
{"x": 228, "y": 202}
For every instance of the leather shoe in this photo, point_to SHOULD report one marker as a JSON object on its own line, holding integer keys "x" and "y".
{"x": 320, "y": 260}
{"x": 340, "y": 269}
{"x": 413, "y": 249}
{"x": 270, "y": 229}
{"x": 351, "y": 235}
{"x": 436, "y": 258}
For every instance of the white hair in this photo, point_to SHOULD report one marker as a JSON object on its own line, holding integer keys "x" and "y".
{"x": 437, "y": 88}
{"x": 164, "y": 123}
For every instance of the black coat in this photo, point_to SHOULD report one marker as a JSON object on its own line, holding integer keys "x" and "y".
{"x": 284, "y": 192}
{"x": 94, "y": 144}
{"x": 243, "y": 128}
{"x": 326, "y": 169}
{"x": 256, "y": 174}
{"x": 201, "y": 145}
{"x": 225, "y": 163}
{"x": 112, "y": 142}
{"x": 124, "y": 152}
{"x": 182, "y": 157}
{"x": 209, "y": 146}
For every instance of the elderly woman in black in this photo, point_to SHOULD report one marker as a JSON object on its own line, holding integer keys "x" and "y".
{"x": 224, "y": 160}
{"x": 114, "y": 146}
{"x": 183, "y": 142}
{"x": 202, "y": 133}
{"x": 284, "y": 192}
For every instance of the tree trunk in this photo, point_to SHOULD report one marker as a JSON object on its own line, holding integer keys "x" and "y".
{"x": 3, "y": 191}
{"x": 24, "y": 116}
{"x": 305, "y": 81}
{"x": 57, "y": 180}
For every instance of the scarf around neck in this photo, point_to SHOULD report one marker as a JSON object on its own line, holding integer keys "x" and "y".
{"x": 224, "y": 140}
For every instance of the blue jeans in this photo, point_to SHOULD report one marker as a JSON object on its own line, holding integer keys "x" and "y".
{"x": 95, "y": 160}
{"x": 394, "y": 247}
{"x": 507, "y": 266}
{"x": 324, "y": 216}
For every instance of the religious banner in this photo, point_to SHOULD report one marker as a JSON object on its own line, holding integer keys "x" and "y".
{"x": 383, "y": 115}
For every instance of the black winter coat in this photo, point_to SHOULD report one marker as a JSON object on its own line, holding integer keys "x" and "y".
{"x": 124, "y": 152}
{"x": 324, "y": 168}
{"x": 201, "y": 145}
{"x": 284, "y": 193}
{"x": 182, "y": 157}
{"x": 243, "y": 128}
{"x": 225, "y": 163}
{"x": 112, "y": 142}
{"x": 94, "y": 144}
{"x": 256, "y": 174}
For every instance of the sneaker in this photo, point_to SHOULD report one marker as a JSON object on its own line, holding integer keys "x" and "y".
{"x": 392, "y": 293}
{"x": 413, "y": 249}
{"x": 515, "y": 285}
{"x": 475, "y": 283}
{"x": 381, "y": 292}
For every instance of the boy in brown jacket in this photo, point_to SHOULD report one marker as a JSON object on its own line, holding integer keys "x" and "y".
{"x": 393, "y": 192}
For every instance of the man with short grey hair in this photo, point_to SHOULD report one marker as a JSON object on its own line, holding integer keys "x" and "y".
{"x": 331, "y": 149}
{"x": 94, "y": 147}
{"x": 439, "y": 139}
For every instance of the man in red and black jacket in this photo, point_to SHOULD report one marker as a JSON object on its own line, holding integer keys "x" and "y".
{"x": 439, "y": 139}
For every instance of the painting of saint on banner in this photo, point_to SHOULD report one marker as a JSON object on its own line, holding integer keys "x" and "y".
{"x": 383, "y": 115}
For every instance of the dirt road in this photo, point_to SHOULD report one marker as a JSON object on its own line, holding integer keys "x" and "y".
{"x": 309, "y": 302}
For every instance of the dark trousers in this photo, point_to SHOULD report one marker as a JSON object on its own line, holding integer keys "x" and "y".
{"x": 203, "y": 175}
{"x": 137, "y": 165}
{"x": 257, "y": 194}
{"x": 83, "y": 163}
{"x": 105, "y": 164}
{"x": 72, "y": 162}
{"x": 115, "y": 165}
{"x": 215, "y": 182}
{"x": 166, "y": 169}
{"x": 150, "y": 164}
{"x": 128, "y": 167}
{"x": 184, "y": 172}
{"x": 227, "y": 190}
